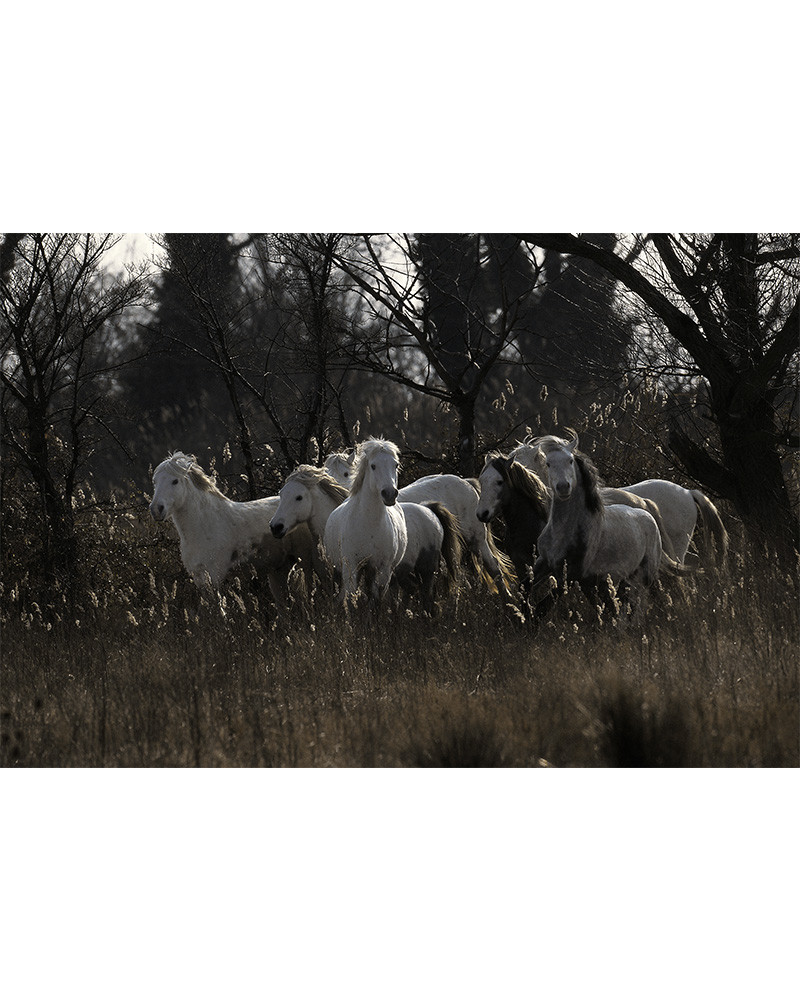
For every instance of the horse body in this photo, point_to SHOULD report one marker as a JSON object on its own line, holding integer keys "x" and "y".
{"x": 623, "y": 543}
{"x": 367, "y": 533}
{"x": 509, "y": 488}
{"x": 459, "y": 496}
{"x": 218, "y": 534}
{"x": 679, "y": 509}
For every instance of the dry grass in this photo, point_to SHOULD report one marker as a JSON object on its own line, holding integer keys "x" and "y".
{"x": 132, "y": 669}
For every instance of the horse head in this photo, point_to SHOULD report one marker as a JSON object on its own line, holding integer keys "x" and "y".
{"x": 294, "y": 507}
{"x": 491, "y": 484}
{"x": 339, "y": 465}
{"x": 560, "y": 465}
{"x": 379, "y": 460}
{"x": 170, "y": 483}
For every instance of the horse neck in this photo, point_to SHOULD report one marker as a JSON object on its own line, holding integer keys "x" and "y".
{"x": 367, "y": 499}
{"x": 321, "y": 509}
{"x": 520, "y": 512}
{"x": 200, "y": 507}
{"x": 566, "y": 515}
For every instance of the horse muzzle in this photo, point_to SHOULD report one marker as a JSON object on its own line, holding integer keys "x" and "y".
{"x": 562, "y": 491}
{"x": 157, "y": 510}
{"x": 484, "y": 515}
{"x": 389, "y": 497}
{"x": 278, "y": 530}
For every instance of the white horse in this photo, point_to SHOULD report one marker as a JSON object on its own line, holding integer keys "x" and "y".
{"x": 593, "y": 540}
{"x": 310, "y": 496}
{"x": 367, "y": 534}
{"x": 676, "y": 512}
{"x": 460, "y": 497}
{"x": 218, "y": 534}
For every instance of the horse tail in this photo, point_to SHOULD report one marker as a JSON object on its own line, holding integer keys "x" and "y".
{"x": 669, "y": 565}
{"x": 712, "y": 528}
{"x": 453, "y": 542}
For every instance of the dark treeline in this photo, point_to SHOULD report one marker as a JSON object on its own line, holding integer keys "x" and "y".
{"x": 673, "y": 355}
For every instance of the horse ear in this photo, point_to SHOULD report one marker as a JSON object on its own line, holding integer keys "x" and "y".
{"x": 572, "y": 445}
{"x": 351, "y": 456}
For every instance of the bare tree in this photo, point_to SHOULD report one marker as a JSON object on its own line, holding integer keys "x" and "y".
{"x": 267, "y": 333}
{"x": 440, "y": 331}
{"x": 305, "y": 363}
{"x": 56, "y": 303}
{"x": 730, "y": 304}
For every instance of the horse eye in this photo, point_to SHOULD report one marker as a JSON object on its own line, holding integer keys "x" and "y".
{"x": 174, "y": 482}
{"x": 300, "y": 497}
{"x": 347, "y": 475}
{"x": 372, "y": 466}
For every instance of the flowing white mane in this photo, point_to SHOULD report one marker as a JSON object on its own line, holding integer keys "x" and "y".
{"x": 187, "y": 466}
{"x": 310, "y": 476}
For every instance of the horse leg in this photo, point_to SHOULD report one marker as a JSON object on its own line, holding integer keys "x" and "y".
{"x": 542, "y": 589}
{"x": 279, "y": 587}
{"x": 600, "y": 594}
{"x": 321, "y": 568}
{"x": 426, "y": 568}
{"x": 208, "y": 592}
{"x": 348, "y": 585}
{"x": 405, "y": 579}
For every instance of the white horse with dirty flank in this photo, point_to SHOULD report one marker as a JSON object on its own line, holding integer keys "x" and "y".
{"x": 593, "y": 541}
{"x": 459, "y": 496}
{"x": 366, "y": 536}
{"x": 218, "y": 534}
{"x": 677, "y": 508}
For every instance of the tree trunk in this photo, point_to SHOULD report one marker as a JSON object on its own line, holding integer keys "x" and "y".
{"x": 60, "y": 550}
{"x": 750, "y": 475}
{"x": 466, "y": 436}
{"x": 758, "y": 485}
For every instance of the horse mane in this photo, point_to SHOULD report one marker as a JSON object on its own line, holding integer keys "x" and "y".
{"x": 590, "y": 482}
{"x": 364, "y": 452}
{"x": 311, "y": 476}
{"x": 473, "y": 482}
{"x": 529, "y": 485}
{"x": 549, "y": 442}
{"x": 189, "y": 466}
{"x": 343, "y": 456}
{"x": 346, "y": 457}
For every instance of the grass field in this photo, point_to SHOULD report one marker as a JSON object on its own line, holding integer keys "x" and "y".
{"x": 133, "y": 669}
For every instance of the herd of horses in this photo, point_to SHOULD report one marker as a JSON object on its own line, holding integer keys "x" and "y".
{"x": 349, "y": 525}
